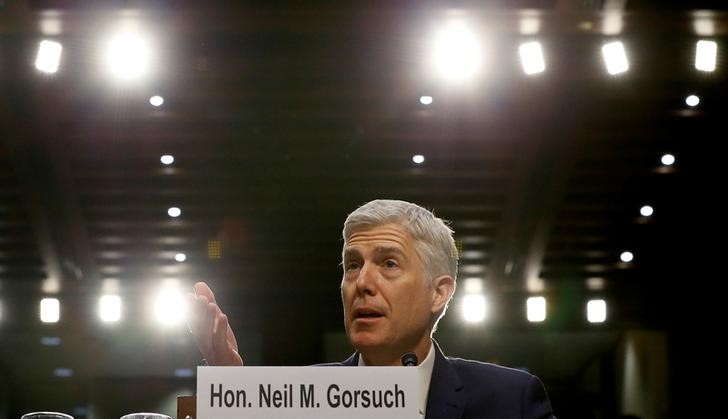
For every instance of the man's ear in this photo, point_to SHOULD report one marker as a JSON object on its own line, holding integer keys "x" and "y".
{"x": 443, "y": 288}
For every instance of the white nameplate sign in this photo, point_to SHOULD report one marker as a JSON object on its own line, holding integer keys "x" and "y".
{"x": 307, "y": 392}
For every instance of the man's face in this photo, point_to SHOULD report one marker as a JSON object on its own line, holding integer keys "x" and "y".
{"x": 388, "y": 301}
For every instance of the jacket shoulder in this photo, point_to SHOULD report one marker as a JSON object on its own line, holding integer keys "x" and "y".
{"x": 486, "y": 373}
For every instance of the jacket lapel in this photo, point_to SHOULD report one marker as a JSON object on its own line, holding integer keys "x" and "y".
{"x": 446, "y": 396}
{"x": 351, "y": 361}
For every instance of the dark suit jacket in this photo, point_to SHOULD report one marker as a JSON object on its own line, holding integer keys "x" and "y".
{"x": 464, "y": 389}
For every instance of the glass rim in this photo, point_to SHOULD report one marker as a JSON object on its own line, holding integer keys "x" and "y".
{"x": 145, "y": 415}
{"x": 31, "y": 415}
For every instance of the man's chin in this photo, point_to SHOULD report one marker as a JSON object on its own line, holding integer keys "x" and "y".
{"x": 365, "y": 340}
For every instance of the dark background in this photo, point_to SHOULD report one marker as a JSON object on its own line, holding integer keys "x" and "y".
{"x": 283, "y": 118}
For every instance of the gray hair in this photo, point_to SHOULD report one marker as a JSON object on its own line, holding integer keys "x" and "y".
{"x": 432, "y": 236}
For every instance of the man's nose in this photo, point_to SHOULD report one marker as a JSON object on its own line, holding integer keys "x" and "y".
{"x": 366, "y": 282}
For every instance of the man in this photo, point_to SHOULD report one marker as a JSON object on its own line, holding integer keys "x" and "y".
{"x": 400, "y": 266}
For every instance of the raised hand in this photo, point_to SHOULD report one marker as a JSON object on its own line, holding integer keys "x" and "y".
{"x": 209, "y": 325}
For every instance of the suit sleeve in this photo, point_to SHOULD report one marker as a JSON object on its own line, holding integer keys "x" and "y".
{"x": 535, "y": 402}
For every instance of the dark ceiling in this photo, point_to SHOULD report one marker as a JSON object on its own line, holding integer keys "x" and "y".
{"x": 281, "y": 120}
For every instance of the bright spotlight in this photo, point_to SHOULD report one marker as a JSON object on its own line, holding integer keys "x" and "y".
{"x": 174, "y": 212}
{"x": 418, "y": 159}
{"x": 128, "y": 55}
{"x": 110, "y": 308}
{"x": 596, "y": 311}
{"x": 615, "y": 58}
{"x": 50, "y": 310}
{"x": 49, "y": 56}
{"x": 167, "y": 159}
{"x": 626, "y": 257}
{"x": 646, "y": 211}
{"x": 705, "y": 54}
{"x": 426, "y": 100}
{"x": 457, "y": 52}
{"x": 692, "y": 101}
{"x": 536, "y": 309}
{"x": 668, "y": 160}
{"x": 474, "y": 308}
{"x": 532, "y": 58}
{"x": 170, "y": 307}
{"x": 156, "y": 101}
{"x": 180, "y": 257}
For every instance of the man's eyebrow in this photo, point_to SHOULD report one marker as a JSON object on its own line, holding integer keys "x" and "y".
{"x": 379, "y": 251}
{"x": 349, "y": 253}
{"x": 389, "y": 250}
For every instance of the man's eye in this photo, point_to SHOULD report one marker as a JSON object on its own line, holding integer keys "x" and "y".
{"x": 350, "y": 266}
{"x": 390, "y": 263}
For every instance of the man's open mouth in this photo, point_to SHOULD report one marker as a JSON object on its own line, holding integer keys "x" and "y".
{"x": 367, "y": 314}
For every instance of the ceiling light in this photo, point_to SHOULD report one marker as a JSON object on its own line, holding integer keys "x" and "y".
{"x": 49, "y": 56}
{"x": 474, "y": 308}
{"x": 180, "y": 257}
{"x": 596, "y": 311}
{"x": 174, "y": 212}
{"x": 418, "y": 159}
{"x": 692, "y": 100}
{"x": 156, "y": 101}
{"x": 426, "y": 100}
{"x": 536, "y": 309}
{"x": 110, "y": 308}
{"x": 668, "y": 159}
{"x": 647, "y": 211}
{"x": 456, "y": 53}
{"x": 128, "y": 55}
{"x": 532, "y": 58}
{"x": 50, "y": 310}
{"x": 705, "y": 55}
{"x": 169, "y": 306}
{"x": 626, "y": 257}
{"x": 167, "y": 159}
{"x": 615, "y": 58}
